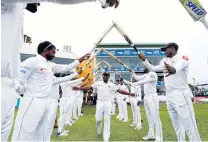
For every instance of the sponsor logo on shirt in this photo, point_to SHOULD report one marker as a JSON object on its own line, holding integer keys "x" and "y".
{"x": 23, "y": 71}
{"x": 42, "y": 69}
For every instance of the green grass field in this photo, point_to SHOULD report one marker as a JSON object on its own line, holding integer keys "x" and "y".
{"x": 85, "y": 128}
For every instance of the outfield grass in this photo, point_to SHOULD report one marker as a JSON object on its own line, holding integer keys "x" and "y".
{"x": 85, "y": 128}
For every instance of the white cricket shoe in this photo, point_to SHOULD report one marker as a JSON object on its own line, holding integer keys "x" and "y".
{"x": 125, "y": 120}
{"x": 65, "y": 131}
{"x": 80, "y": 114}
{"x": 138, "y": 128}
{"x": 147, "y": 138}
{"x": 132, "y": 125}
{"x": 120, "y": 119}
{"x": 62, "y": 134}
{"x": 69, "y": 123}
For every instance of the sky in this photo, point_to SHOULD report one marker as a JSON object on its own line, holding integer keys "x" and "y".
{"x": 145, "y": 21}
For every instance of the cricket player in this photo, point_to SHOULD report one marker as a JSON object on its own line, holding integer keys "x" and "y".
{"x": 113, "y": 110}
{"x": 104, "y": 104}
{"x": 151, "y": 103}
{"x": 11, "y": 42}
{"x": 179, "y": 103}
{"x": 119, "y": 101}
{"x": 70, "y": 94}
{"x": 79, "y": 103}
{"x": 65, "y": 104}
{"x": 124, "y": 112}
{"x": 134, "y": 101}
{"x": 37, "y": 74}
{"x": 54, "y": 104}
{"x": 75, "y": 107}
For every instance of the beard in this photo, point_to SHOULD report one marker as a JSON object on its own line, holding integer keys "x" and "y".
{"x": 49, "y": 58}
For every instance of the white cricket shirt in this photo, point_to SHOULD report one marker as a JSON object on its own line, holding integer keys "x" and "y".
{"x": 38, "y": 75}
{"x": 149, "y": 80}
{"x": 177, "y": 81}
{"x": 104, "y": 90}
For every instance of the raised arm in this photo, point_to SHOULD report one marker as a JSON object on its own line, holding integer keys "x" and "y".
{"x": 104, "y": 3}
{"x": 138, "y": 77}
{"x": 82, "y": 88}
{"x": 59, "y": 80}
{"x": 76, "y": 83}
{"x": 147, "y": 79}
{"x": 125, "y": 92}
{"x": 158, "y": 68}
{"x": 54, "y": 1}
{"x": 57, "y": 68}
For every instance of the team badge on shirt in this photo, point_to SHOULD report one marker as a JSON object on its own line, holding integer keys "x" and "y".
{"x": 185, "y": 57}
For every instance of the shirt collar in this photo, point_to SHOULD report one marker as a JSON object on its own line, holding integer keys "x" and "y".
{"x": 41, "y": 58}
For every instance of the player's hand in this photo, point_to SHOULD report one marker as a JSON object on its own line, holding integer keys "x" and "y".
{"x": 169, "y": 69}
{"x": 142, "y": 57}
{"x": 130, "y": 70}
{"x": 132, "y": 94}
{"x": 85, "y": 57}
{"x": 138, "y": 103}
{"x": 114, "y": 3}
{"x": 110, "y": 3}
{"x": 75, "y": 88}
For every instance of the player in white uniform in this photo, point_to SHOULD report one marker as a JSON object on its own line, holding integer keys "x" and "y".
{"x": 178, "y": 93}
{"x": 54, "y": 104}
{"x": 75, "y": 106}
{"x": 104, "y": 105}
{"x": 135, "y": 101}
{"x": 113, "y": 110}
{"x": 11, "y": 42}
{"x": 151, "y": 103}
{"x": 37, "y": 74}
{"x": 79, "y": 103}
{"x": 65, "y": 104}
{"x": 124, "y": 112}
{"x": 119, "y": 101}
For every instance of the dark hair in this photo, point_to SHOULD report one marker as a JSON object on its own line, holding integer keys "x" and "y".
{"x": 172, "y": 44}
{"x": 121, "y": 79}
{"x": 43, "y": 45}
{"x": 106, "y": 74}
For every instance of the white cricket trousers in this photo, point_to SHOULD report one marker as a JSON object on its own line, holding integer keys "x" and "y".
{"x": 119, "y": 101}
{"x": 113, "y": 109}
{"x": 124, "y": 112}
{"x": 31, "y": 119}
{"x": 135, "y": 111}
{"x": 181, "y": 111}
{"x": 8, "y": 101}
{"x": 51, "y": 119}
{"x": 79, "y": 105}
{"x": 103, "y": 109}
{"x": 151, "y": 104}
{"x": 64, "y": 109}
{"x": 75, "y": 107}
{"x": 70, "y": 109}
